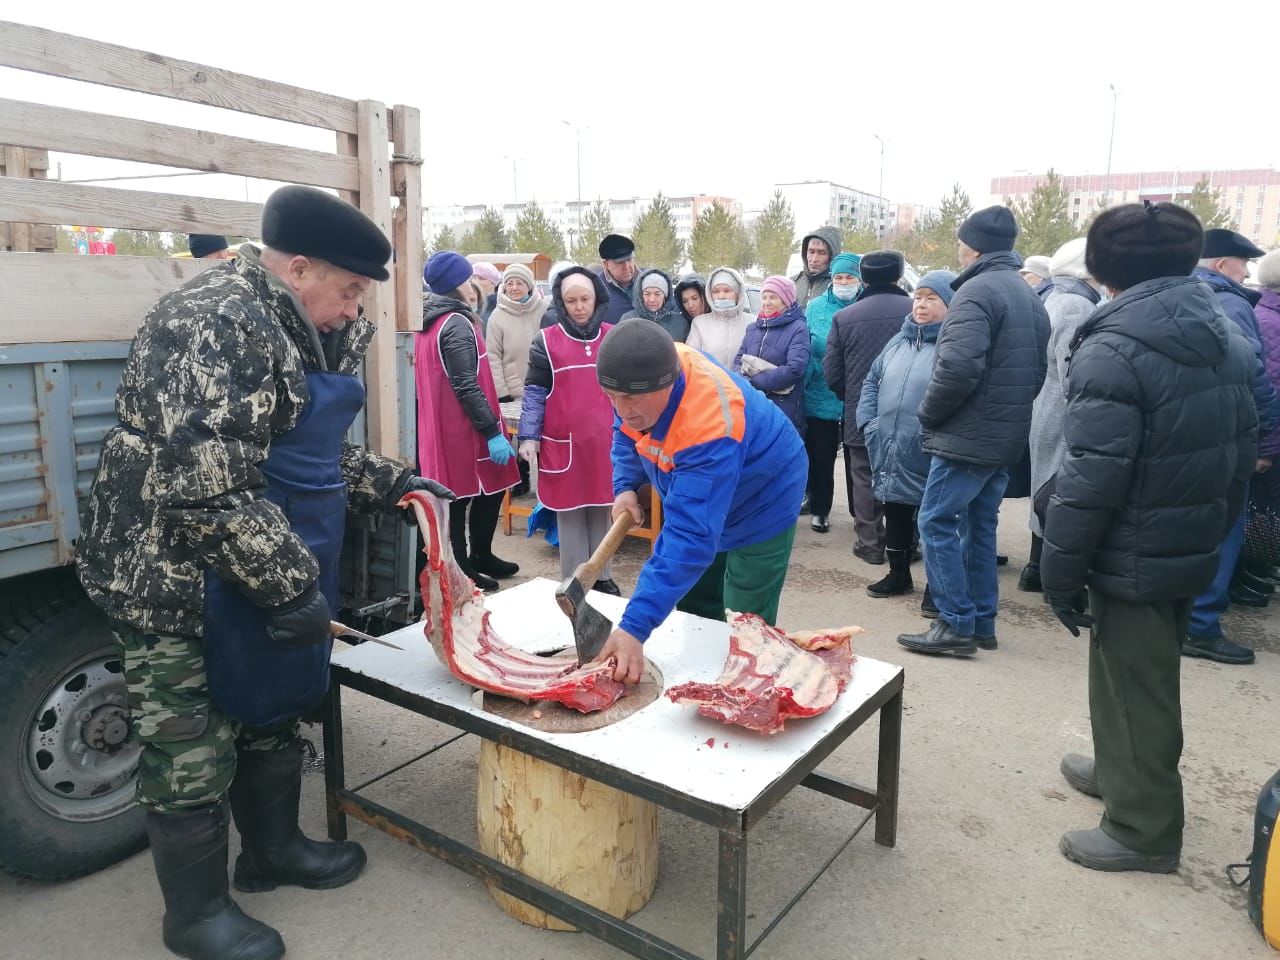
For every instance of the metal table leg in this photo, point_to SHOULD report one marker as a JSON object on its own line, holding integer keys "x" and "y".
{"x": 887, "y": 771}
{"x": 334, "y": 768}
{"x": 731, "y": 897}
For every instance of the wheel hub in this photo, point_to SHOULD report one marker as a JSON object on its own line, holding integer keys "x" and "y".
{"x": 107, "y": 729}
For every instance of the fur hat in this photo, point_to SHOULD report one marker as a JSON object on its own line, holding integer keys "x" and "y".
{"x": 1269, "y": 271}
{"x": 1068, "y": 260}
{"x": 312, "y": 223}
{"x": 1135, "y": 242}
{"x": 989, "y": 230}
{"x": 881, "y": 267}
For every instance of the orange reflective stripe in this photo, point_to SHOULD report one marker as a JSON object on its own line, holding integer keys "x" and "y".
{"x": 712, "y": 408}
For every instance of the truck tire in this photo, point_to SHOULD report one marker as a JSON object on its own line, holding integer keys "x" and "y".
{"x": 68, "y": 760}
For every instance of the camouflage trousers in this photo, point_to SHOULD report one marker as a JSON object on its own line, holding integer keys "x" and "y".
{"x": 189, "y": 746}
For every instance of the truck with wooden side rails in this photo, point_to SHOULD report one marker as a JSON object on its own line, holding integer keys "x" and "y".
{"x": 67, "y": 758}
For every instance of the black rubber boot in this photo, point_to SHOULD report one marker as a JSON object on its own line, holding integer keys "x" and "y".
{"x": 264, "y": 802}
{"x": 898, "y": 580}
{"x": 495, "y": 567}
{"x": 201, "y": 921}
{"x": 484, "y": 582}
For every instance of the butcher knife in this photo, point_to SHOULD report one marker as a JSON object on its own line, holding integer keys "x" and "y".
{"x": 342, "y": 630}
{"x": 590, "y": 627}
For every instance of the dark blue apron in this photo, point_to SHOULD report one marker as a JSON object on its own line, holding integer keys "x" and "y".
{"x": 253, "y": 678}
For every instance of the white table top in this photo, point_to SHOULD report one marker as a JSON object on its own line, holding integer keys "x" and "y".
{"x": 664, "y": 742}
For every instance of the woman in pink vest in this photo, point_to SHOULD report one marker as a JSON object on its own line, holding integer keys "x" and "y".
{"x": 461, "y": 440}
{"x": 566, "y": 421}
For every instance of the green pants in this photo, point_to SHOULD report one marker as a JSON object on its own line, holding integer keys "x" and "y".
{"x": 188, "y": 745}
{"x": 1136, "y": 714}
{"x": 746, "y": 580}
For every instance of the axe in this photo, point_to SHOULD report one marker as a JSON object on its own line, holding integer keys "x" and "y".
{"x": 590, "y": 627}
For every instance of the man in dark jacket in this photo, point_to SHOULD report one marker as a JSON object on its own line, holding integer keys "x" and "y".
{"x": 858, "y": 334}
{"x": 990, "y": 363}
{"x": 618, "y": 271}
{"x": 818, "y": 250}
{"x": 1224, "y": 264}
{"x": 1161, "y": 440}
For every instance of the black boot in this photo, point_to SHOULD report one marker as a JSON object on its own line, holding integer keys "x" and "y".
{"x": 264, "y": 802}
{"x": 940, "y": 638}
{"x": 899, "y": 579}
{"x": 485, "y": 583}
{"x": 928, "y": 609}
{"x": 1029, "y": 580}
{"x": 201, "y": 921}
{"x": 607, "y": 586}
{"x": 492, "y": 566}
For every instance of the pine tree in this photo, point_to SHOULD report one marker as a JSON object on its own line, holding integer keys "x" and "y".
{"x": 140, "y": 243}
{"x": 937, "y": 235}
{"x": 1208, "y": 204}
{"x": 718, "y": 240}
{"x": 489, "y": 235}
{"x": 596, "y": 224}
{"x": 860, "y": 239}
{"x": 535, "y": 233}
{"x": 775, "y": 235}
{"x": 657, "y": 244}
{"x": 1044, "y": 223}
{"x": 444, "y": 240}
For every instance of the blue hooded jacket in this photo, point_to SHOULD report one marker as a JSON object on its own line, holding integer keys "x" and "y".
{"x": 887, "y": 416}
{"x": 820, "y": 402}
{"x": 1237, "y": 303}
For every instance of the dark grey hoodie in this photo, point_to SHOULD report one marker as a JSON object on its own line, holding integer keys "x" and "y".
{"x": 810, "y": 285}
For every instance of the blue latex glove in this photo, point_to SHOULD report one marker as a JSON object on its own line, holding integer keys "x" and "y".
{"x": 500, "y": 451}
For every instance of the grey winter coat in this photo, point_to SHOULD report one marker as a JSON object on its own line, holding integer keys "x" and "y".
{"x": 990, "y": 364}
{"x": 1161, "y": 437}
{"x": 858, "y": 334}
{"x": 809, "y": 285}
{"x": 669, "y": 317}
{"x": 887, "y": 416}
{"x": 1069, "y": 304}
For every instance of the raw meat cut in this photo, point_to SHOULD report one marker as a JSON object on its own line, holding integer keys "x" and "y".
{"x": 770, "y": 676}
{"x": 457, "y": 625}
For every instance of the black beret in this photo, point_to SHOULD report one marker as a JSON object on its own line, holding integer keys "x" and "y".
{"x": 617, "y": 247}
{"x": 1228, "y": 243}
{"x": 1136, "y": 242}
{"x": 881, "y": 266}
{"x": 203, "y": 244}
{"x": 310, "y": 222}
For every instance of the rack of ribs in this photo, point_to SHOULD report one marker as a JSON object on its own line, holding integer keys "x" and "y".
{"x": 457, "y": 626}
{"x": 771, "y": 676}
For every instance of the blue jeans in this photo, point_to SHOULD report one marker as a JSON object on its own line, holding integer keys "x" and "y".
{"x": 958, "y": 517}
{"x": 1212, "y": 604}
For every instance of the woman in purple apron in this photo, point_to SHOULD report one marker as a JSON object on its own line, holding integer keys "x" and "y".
{"x": 461, "y": 440}
{"x": 566, "y": 421}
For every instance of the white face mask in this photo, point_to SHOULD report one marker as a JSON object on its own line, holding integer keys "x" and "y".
{"x": 844, "y": 291}
{"x": 721, "y": 304}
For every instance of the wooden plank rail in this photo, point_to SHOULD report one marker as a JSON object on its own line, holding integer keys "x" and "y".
{"x": 50, "y": 201}
{"x": 406, "y": 184}
{"x": 59, "y": 297}
{"x": 63, "y": 55}
{"x": 121, "y": 138}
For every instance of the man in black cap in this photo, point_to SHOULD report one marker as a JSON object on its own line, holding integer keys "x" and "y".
{"x": 1161, "y": 441}
{"x": 211, "y": 540}
{"x": 1224, "y": 265}
{"x": 208, "y": 246}
{"x": 618, "y": 270}
{"x": 731, "y": 470}
{"x": 990, "y": 363}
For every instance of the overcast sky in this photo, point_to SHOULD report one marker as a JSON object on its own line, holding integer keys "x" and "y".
{"x": 723, "y": 98}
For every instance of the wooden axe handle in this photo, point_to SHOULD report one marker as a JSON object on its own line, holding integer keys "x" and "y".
{"x": 588, "y": 573}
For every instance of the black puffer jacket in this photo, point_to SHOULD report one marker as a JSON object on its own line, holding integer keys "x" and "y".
{"x": 539, "y": 374}
{"x": 459, "y": 349}
{"x": 858, "y": 334}
{"x": 1161, "y": 437}
{"x": 991, "y": 362}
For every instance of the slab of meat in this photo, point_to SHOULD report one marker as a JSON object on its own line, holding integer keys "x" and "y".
{"x": 770, "y": 676}
{"x": 457, "y": 625}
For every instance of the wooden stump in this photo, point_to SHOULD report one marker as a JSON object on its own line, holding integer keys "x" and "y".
{"x": 575, "y": 834}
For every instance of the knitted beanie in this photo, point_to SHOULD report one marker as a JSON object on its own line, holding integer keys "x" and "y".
{"x": 846, "y": 263}
{"x": 989, "y": 230}
{"x": 519, "y": 271}
{"x": 656, "y": 281}
{"x": 637, "y": 356}
{"x": 1068, "y": 260}
{"x": 939, "y": 281}
{"x": 446, "y": 271}
{"x": 781, "y": 287}
{"x": 1135, "y": 242}
{"x": 486, "y": 271}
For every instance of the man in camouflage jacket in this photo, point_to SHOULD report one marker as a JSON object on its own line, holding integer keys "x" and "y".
{"x": 222, "y": 369}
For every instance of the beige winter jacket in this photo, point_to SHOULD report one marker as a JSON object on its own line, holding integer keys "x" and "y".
{"x": 511, "y": 329}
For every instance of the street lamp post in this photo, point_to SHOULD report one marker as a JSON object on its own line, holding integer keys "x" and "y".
{"x": 578, "y": 136}
{"x": 515, "y": 177}
{"x": 1111, "y": 143}
{"x": 880, "y": 191}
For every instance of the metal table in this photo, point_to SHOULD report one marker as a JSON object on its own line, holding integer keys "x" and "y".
{"x": 729, "y": 788}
